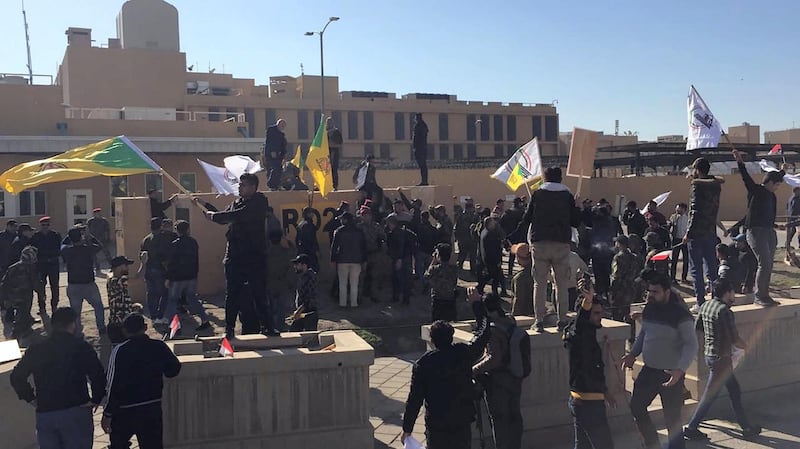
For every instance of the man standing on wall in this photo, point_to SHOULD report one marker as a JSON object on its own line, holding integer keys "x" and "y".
{"x": 245, "y": 255}
{"x": 48, "y": 244}
{"x": 274, "y": 153}
{"x": 335, "y": 141}
{"x": 101, "y": 230}
{"x": 419, "y": 145}
{"x": 157, "y": 207}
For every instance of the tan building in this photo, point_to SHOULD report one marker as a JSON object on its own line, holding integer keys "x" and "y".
{"x": 784, "y": 136}
{"x": 746, "y": 133}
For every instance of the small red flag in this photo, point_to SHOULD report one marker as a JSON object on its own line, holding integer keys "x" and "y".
{"x": 174, "y": 326}
{"x": 777, "y": 149}
{"x": 225, "y": 348}
{"x": 663, "y": 255}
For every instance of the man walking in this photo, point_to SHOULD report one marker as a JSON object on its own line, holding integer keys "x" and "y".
{"x": 136, "y": 372}
{"x": 678, "y": 225}
{"x": 245, "y": 256}
{"x": 442, "y": 380}
{"x": 550, "y": 215}
{"x": 61, "y": 365}
{"x": 588, "y": 393}
{"x": 348, "y": 254}
{"x": 274, "y": 153}
{"x": 443, "y": 278}
{"x": 463, "y": 234}
{"x": 79, "y": 255}
{"x": 48, "y": 244}
{"x": 335, "y": 141}
{"x": 419, "y": 145}
{"x": 701, "y": 235}
{"x": 762, "y": 206}
{"x": 717, "y": 322}
{"x": 400, "y": 243}
{"x": 668, "y": 344}
{"x": 183, "y": 264}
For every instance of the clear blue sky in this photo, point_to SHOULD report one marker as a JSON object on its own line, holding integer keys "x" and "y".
{"x": 630, "y": 60}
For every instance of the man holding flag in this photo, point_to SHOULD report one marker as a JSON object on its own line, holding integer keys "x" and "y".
{"x": 523, "y": 167}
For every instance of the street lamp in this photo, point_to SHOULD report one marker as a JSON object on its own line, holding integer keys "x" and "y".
{"x": 322, "y": 60}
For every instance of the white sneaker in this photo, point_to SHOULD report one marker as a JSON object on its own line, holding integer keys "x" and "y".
{"x": 695, "y": 309}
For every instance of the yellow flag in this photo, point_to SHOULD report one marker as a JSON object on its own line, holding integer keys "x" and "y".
{"x": 318, "y": 160}
{"x": 516, "y": 178}
{"x": 298, "y": 162}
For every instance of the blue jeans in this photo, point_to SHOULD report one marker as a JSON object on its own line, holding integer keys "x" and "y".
{"x": 189, "y": 290}
{"x": 703, "y": 250}
{"x": 591, "y": 424}
{"x": 720, "y": 373}
{"x": 76, "y": 294}
{"x": 70, "y": 428}
{"x": 156, "y": 292}
{"x": 763, "y": 242}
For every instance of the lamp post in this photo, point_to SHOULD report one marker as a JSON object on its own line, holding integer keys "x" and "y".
{"x": 322, "y": 60}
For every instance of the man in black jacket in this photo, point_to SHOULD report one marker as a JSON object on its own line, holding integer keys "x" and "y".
{"x": 274, "y": 153}
{"x": 136, "y": 372}
{"x": 400, "y": 246}
{"x": 334, "y": 146}
{"x": 60, "y": 366}
{"x": 306, "y": 238}
{"x": 78, "y": 255}
{"x": 491, "y": 253}
{"x": 442, "y": 379}
{"x": 48, "y": 244}
{"x": 551, "y": 213}
{"x": 183, "y": 264}
{"x": 245, "y": 257}
{"x": 634, "y": 220}
{"x": 348, "y": 254}
{"x": 587, "y": 377}
{"x": 762, "y": 206}
{"x": 157, "y": 207}
{"x": 419, "y": 145}
{"x": 509, "y": 222}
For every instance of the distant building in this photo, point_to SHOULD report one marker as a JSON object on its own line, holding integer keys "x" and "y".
{"x": 746, "y": 133}
{"x": 784, "y": 136}
{"x": 671, "y": 138}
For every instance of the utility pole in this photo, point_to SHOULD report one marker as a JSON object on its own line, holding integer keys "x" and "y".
{"x": 27, "y": 43}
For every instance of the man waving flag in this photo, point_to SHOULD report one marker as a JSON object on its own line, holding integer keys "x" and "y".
{"x": 523, "y": 167}
{"x": 704, "y": 129}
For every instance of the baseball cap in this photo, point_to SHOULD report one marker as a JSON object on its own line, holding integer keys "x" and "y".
{"x": 120, "y": 260}
{"x": 301, "y": 258}
{"x": 44, "y": 219}
{"x": 97, "y": 209}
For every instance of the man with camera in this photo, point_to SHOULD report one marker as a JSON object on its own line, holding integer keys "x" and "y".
{"x": 442, "y": 379}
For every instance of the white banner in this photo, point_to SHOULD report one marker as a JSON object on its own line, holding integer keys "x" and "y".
{"x": 221, "y": 180}
{"x": 529, "y": 158}
{"x": 704, "y": 129}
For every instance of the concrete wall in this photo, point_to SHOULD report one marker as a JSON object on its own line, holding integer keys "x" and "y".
{"x": 290, "y": 397}
{"x": 18, "y": 425}
{"x": 545, "y": 392}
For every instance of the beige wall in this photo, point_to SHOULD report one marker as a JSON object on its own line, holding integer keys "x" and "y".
{"x": 30, "y": 110}
{"x": 745, "y": 133}
{"x": 784, "y": 136}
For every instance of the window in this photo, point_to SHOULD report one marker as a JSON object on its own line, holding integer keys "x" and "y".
{"x": 499, "y": 150}
{"x": 512, "y": 149}
{"x": 352, "y": 125}
{"x": 498, "y": 128}
{"x": 302, "y": 124}
{"x": 511, "y": 128}
{"x": 472, "y": 151}
{"x": 444, "y": 132}
{"x": 32, "y": 202}
{"x": 369, "y": 148}
{"x": 154, "y": 182}
{"x": 385, "y": 151}
{"x": 484, "y": 127}
{"x": 213, "y": 115}
{"x": 315, "y": 124}
{"x": 399, "y": 126}
{"x": 458, "y": 151}
{"x": 444, "y": 151}
{"x": 551, "y": 128}
{"x": 250, "y": 118}
{"x": 369, "y": 126}
{"x": 119, "y": 189}
{"x": 471, "y": 127}
{"x": 188, "y": 181}
{"x": 537, "y": 127}
{"x": 270, "y": 118}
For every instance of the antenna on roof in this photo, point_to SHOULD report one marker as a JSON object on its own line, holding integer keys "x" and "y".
{"x": 27, "y": 43}
{"x": 301, "y": 69}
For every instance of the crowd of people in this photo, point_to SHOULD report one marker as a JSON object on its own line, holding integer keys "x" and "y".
{"x": 572, "y": 256}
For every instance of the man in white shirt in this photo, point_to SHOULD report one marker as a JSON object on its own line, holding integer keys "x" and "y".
{"x": 678, "y": 225}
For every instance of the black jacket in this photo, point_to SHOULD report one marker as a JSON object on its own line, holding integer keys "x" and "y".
{"x": 349, "y": 245}
{"x": 136, "y": 372}
{"x": 762, "y": 205}
{"x": 635, "y": 222}
{"x": 79, "y": 259}
{"x": 586, "y": 368}
{"x": 183, "y": 259}
{"x": 551, "y": 213}
{"x": 400, "y": 243}
{"x": 442, "y": 379}
{"x": 157, "y": 208}
{"x": 306, "y": 238}
{"x": 427, "y": 237}
{"x": 48, "y": 245}
{"x": 247, "y": 234}
{"x": 704, "y": 206}
{"x": 420, "y": 137}
{"x": 335, "y": 139}
{"x": 510, "y": 220}
{"x": 19, "y": 243}
{"x": 274, "y": 143}
{"x": 491, "y": 248}
{"x": 6, "y": 239}
{"x": 60, "y": 366}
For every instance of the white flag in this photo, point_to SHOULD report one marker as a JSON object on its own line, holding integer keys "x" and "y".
{"x": 222, "y": 181}
{"x": 790, "y": 180}
{"x": 239, "y": 165}
{"x": 659, "y": 200}
{"x": 704, "y": 128}
{"x": 530, "y": 160}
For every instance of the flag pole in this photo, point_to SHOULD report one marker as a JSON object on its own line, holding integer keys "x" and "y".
{"x": 182, "y": 189}
{"x": 528, "y": 188}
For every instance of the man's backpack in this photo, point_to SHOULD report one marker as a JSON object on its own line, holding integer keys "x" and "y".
{"x": 518, "y": 359}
